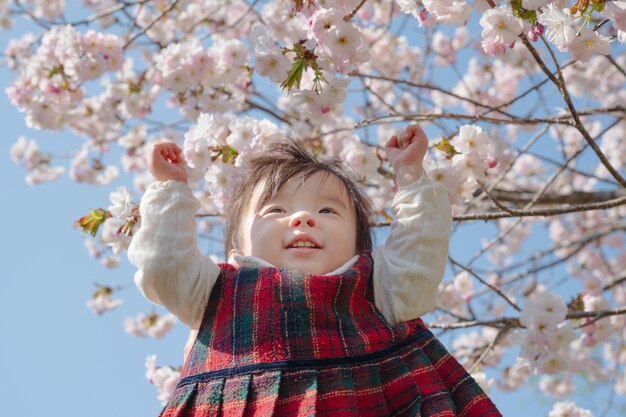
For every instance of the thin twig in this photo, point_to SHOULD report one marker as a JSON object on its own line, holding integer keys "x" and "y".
{"x": 542, "y": 212}
{"x": 491, "y": 286}
{"x": 147, "y": 28}
{"x": 513, "y": 322}
{"x": 489, "y": 348}
{"x": 354, "y": 12}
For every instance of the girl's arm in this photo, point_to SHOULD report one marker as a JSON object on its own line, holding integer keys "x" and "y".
{"x": 410, "y": 265}
{"x": 171, "y": 269}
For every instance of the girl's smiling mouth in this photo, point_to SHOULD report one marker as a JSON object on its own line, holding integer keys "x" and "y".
{"x": 303, "y": 242}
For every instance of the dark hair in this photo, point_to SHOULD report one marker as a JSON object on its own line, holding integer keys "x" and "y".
{"x": 274, "y": 167}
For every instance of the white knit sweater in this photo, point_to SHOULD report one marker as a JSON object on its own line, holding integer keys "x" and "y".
{"x": 407, "y": 269}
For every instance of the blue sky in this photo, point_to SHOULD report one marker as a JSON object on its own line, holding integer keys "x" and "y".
{"x": 58, "y": 359}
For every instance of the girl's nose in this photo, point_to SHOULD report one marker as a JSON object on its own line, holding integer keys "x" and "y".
{"x": 302, "y": 218}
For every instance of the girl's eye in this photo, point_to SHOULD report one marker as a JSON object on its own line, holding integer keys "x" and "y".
{"x": 275, "y": 210}
{"x": 328, "y": 210}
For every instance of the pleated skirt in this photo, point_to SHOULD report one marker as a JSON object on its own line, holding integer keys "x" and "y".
{"x": 417, "y": 377}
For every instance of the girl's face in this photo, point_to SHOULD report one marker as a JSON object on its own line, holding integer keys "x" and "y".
{"x": 309, "y": 226}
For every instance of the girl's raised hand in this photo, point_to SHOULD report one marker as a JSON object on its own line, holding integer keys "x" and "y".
{"x": 165, "y": 162}
{"x": 406, "y": 154}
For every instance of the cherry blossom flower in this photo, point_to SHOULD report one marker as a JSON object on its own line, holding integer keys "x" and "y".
{"x": 49, "y": 9}
{"x": 515, "y": 375}
{"x": 242, "y": 132}
{"x": 360, "y": 157}
{"x": 457, "y": 14}
{"x": 500, "y": 26}
{"x": 149, "y": 325}
{"x": 323, "y": 21}
{"x": 121, "y": 204}
{"x": 205, "y": 133}
{"x": 343, "y": 44}
{"x": 102, "y": 302}
{"x": 588, "y": 43}
{"x": 82, "y": 170}
{"x": 568, "y": 409}
{"x": 409, "y": 7}
{"x": 164, "y": 378}
{"x": 27, "y": 153}
{"x": 544, "y": 308}
{"x": 534, "y": 4}
{"x": 557, "y": 386}
{"x": 559, "y": 26}
{"x": 553, "y": 363}
{"x": 616, "y": 12}
{"x": 112, "y": 236}
{"x": 221, "y": 179}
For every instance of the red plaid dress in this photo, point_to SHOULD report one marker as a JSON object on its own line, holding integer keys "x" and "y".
{"x": 281, "y": 343}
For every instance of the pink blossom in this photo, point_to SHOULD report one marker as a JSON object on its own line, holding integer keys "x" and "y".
{"x": 102, "y": 302}
{"x": 472, "y": 138}
{"x": 557, "y": 386}
{"x": 360, "y": 157}
{"x": 324, "y": 21}
{"x": 111, "y": 235}
{"x": 500, "y": 26}
{"x": 149, "y": 325}
{"x": 410, "y": 7}
{"x": 221, "y": 180}
{"x": 164, "y": 378}
{"x": 49, "y": 9}
{"x": 121, "y": 204}
{"x": 588, "y": 43}
{"x": 616, "y": 12}
{"x": 568, "y": 409}
{"x": 470, "y": 164}
{"x": 534, "y": 4}
{"x": 558, "y": 24}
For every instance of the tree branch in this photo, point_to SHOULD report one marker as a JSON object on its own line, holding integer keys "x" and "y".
{"x": 147, "y": 28}
{"x": 354, "y": 12}
{"x": 512, "y": 322}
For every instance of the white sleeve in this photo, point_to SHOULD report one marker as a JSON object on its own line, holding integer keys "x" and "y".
{"x": 410, "y": 265}
{"x": 171, "y": 269}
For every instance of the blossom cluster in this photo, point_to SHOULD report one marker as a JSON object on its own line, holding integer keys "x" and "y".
{"x": 568, "y": 33}
{"x": 164, "y": 378}
{"x": 26, "y": 152}
{"x": 149, "y": 325}
{"x": 50, "y": 87}
{"x": 101, "y": 301}
{"x": 471, "y": 160}
{"x": 547, "y": 335}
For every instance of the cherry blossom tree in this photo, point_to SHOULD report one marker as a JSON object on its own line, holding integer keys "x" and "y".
{"x": 522, "y": 99}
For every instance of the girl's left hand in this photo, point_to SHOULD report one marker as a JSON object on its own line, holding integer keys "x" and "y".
{"x": 406, "y": 154}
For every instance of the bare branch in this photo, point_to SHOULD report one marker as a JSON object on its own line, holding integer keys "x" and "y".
{"x": 542, "y": 212}
{"x": 147, "y": 28}
{"x": 354, "y": 12}
{"x": 512, "y": 322}
{"x": 491, "y": 286}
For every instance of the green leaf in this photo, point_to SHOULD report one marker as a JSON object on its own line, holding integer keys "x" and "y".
{"x": 92, "y": 222}
{"x": 445, "y": 146}
{"x": 294, "y": 76}
{"x": 228, "y": 154}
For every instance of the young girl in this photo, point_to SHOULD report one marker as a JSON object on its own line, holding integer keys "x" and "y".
{"x": 304, "y": 319}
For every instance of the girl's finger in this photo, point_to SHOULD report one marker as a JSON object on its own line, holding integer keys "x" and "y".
{"x": 405, "y": 139}
{"x": 392, "y": 142}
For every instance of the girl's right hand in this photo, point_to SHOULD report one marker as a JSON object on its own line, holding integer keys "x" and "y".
{"x": 165, "y": 162}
